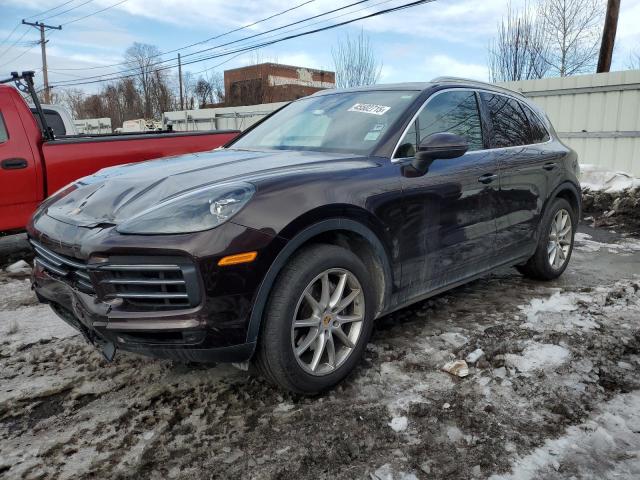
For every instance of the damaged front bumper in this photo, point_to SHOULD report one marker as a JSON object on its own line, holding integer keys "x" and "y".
{"x": 179, "y": 335}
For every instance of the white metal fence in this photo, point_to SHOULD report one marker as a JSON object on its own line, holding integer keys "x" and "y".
{"x": 224, "y": 118}
{"x": 597, "y": 115}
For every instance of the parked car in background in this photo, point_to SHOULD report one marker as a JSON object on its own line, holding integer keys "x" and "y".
{"x": 38, "y": 157}
{"x": 286, "y": 245}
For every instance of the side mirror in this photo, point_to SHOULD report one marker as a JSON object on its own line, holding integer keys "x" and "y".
{"x": 438, "y": 146}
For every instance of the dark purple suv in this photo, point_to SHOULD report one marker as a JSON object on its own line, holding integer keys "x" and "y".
{"x": 283, "y": 247}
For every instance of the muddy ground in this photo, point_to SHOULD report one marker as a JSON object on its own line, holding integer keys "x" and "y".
{"x": 554, "y": 394}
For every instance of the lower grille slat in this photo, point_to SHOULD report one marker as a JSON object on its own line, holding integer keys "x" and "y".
{"x": 160, "y": 295}
{"x": 46, "y": 265}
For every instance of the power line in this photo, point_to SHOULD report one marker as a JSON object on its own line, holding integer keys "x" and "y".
{"x": 24, "y": 34}
{"x": 315, "y": 23}
{"x": 94, "y": 13}
{"x": 263, "y": 44}
{"x": 68, "y": 10}
{"x": 10, "y": 34}
{"x": 232, "y": 42}
{"x": 200, "y": 42}
{"x": 50, "y": 9}
{"x": 40, "y": 14}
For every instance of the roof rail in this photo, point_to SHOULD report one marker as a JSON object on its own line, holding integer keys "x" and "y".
{"x": 476, "y": 83}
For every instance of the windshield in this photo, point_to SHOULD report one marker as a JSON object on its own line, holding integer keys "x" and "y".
{"x": 350, "y": 122}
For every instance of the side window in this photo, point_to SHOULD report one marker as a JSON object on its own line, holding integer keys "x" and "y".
{"x": 510, "y": 125}
{"x": 539, "y": 133}
{"x": 4, "y": 135}
{"x": 453, "y": 112}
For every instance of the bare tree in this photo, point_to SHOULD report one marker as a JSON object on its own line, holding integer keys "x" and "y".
{"x": 216, "y": 80}
{"x": 355, "y": 62}
{"x": 189, "y": 83}
{"x": 142, "y": 58}
{"x": 203, "y": 91}
{"x": 518, "y": 52}
{"x": 572, "y": 31}
{"x": 70, "y": 98}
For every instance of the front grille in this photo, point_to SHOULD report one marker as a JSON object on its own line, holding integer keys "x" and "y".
{"x": 72, "y": 271}
{"x": 146, "y": 286}
{"x": 129, "y": 283}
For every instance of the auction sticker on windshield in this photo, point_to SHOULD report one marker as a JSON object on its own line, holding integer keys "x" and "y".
{"x": 369, "y": 108}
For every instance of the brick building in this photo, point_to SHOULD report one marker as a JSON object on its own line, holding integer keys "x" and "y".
{"x": 272, "y": 82}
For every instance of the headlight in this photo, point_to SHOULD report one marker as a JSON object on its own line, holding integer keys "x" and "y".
{"x": 201, "y": 209}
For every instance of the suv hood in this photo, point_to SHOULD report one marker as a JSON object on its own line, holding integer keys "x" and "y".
{"x": 116, "y": 194}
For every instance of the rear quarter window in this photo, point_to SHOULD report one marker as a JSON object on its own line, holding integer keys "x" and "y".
{"x": 510, "y": 126}
{"x": 54, "y": 120}
{"x": 538, "y": 132}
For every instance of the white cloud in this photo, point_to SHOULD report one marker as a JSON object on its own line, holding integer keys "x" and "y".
{"x": 444, "y": 65}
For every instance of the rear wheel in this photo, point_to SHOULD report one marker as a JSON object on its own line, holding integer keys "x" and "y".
{"x": 318, "y": 320}
{"x": 555, "y": 243}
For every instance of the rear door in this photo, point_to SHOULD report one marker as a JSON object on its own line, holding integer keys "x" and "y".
{"x": 19, "y": 192}
{"x": 449, "y": 211}
{"x": 524, "y": 165}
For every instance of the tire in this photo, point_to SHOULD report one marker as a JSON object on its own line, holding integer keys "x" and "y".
{"x": 289, "y": 299}
{"x": 539, "y": 266}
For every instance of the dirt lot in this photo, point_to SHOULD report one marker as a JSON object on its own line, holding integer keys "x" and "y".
{"x": 555, "y": 392}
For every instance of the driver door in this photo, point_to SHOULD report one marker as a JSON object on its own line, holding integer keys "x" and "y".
{"x": 450, "y": 228}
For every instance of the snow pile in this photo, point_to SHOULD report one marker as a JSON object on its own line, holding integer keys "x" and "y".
{"x": 538, "y": 356}
{"x": 600, "y": 179}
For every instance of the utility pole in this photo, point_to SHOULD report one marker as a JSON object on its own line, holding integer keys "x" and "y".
{"x": 180, "y": 77}
{"x": 608, "y": 36}
{"x": 43, "y": 42}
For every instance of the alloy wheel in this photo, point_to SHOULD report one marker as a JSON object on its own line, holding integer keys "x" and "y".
{"x": 560, "y": 237}
{"x": 328, "y": 321}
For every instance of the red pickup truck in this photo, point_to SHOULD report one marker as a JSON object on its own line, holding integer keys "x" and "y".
{"x": 34, "y": 164}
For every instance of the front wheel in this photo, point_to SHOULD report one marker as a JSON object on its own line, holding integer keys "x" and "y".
{"x": 318, "y": 320}
{"x": 555, "y": 243}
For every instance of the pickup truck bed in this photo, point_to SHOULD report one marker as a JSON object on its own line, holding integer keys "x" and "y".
{"x": 32, "y": 168}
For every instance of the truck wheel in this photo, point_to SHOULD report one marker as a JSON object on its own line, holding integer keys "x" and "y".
{"x": 318, "y": 320}
{"x": 555, "y": 243}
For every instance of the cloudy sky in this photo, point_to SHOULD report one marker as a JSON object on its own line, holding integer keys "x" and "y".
{"x": 446, "y": 37}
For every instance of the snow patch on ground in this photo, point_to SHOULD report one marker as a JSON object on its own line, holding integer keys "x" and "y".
{"x": 556, "y": 312}
{"x": 29, "y": 325}
{"x": 605, "y": 446}
{"x": 538, "y": 356}
{"x": 386, "y": 472}
{"x": 598, "y": 178}
{"x": 584, "y": 243}
{"x": 399, "y": 424}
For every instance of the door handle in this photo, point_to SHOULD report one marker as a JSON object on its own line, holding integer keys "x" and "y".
{"x": 13, "y": 163}
{"x": 549, "y": 166}
{"x": 487, "y": 178}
